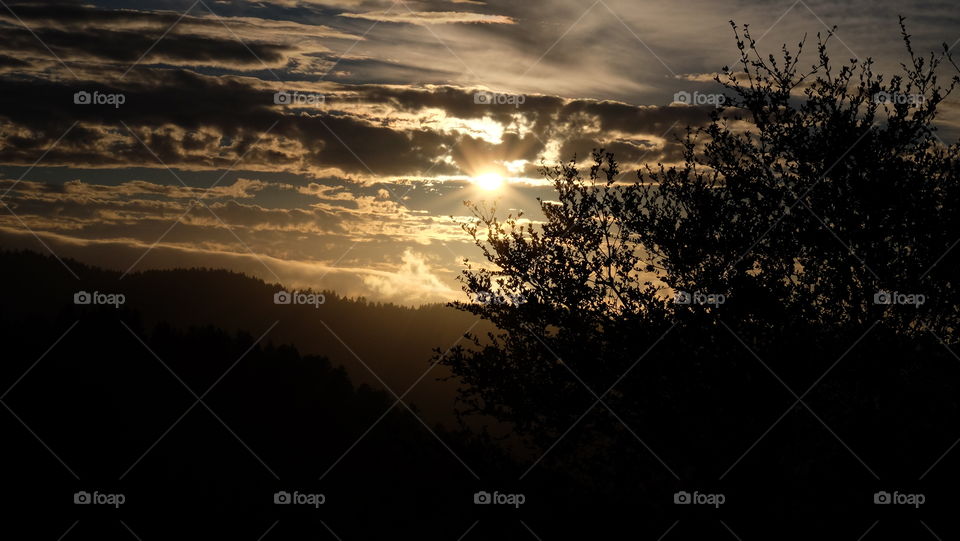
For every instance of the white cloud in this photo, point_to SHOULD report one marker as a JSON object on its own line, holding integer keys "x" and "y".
{"x": 413, "y": 282}
{"x": 432, "y": 17}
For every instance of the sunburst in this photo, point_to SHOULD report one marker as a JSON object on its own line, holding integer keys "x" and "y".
{"x": 489, "y": 182}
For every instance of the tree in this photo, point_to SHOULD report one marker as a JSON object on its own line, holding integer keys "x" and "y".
{"x": 814, "y": 204}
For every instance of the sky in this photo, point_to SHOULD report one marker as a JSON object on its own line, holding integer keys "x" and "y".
{"x": 331, "y": 143}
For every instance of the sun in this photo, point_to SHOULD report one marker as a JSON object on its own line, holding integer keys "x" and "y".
{"x": 489, "y": 182}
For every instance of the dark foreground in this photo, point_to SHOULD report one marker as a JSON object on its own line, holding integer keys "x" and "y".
{"x": 196, "y": 432}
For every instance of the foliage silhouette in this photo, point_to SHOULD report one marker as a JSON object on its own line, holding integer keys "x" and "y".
{"x": 809, "y": 199}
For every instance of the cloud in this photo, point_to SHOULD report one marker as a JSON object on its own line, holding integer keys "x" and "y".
{"x": 432, "y": 17}
{"x": 81, "y": 34}
{"x": 412, "y": 281}
{"x": 199, "y": 122}
{"x": 272, "y": 218}
{"x": 242, "y": 188}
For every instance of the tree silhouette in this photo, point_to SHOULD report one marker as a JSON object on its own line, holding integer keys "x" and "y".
{"x": 812, "y": 221}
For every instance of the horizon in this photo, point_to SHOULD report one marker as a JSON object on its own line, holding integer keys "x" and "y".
{"x": 273, "y": 285}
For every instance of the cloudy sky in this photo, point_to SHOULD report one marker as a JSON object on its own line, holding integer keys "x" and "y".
{"x": 331, "y": 143}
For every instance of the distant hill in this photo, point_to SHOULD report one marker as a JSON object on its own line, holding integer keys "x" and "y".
{"x": 395, "y": 342}
{"x": 104, "y": 400}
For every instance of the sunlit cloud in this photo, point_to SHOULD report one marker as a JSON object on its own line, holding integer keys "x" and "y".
{"x": 432, "y": 17}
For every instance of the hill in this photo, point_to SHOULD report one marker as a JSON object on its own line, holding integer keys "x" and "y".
{"x": 394, "y": 342}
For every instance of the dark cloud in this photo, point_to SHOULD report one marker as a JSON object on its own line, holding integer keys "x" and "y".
{"x": 198, "y": 121}
{"x": 96, "y": 40}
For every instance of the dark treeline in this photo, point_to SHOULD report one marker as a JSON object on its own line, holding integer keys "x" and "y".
{"x": 100, "y": 399}
{"x": 232, "y": 301}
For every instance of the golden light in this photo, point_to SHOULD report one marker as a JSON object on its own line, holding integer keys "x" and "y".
{"x": 489, "y": 182}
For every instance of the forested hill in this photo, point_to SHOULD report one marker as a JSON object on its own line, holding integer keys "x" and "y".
{"x": 394, "y": 342}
